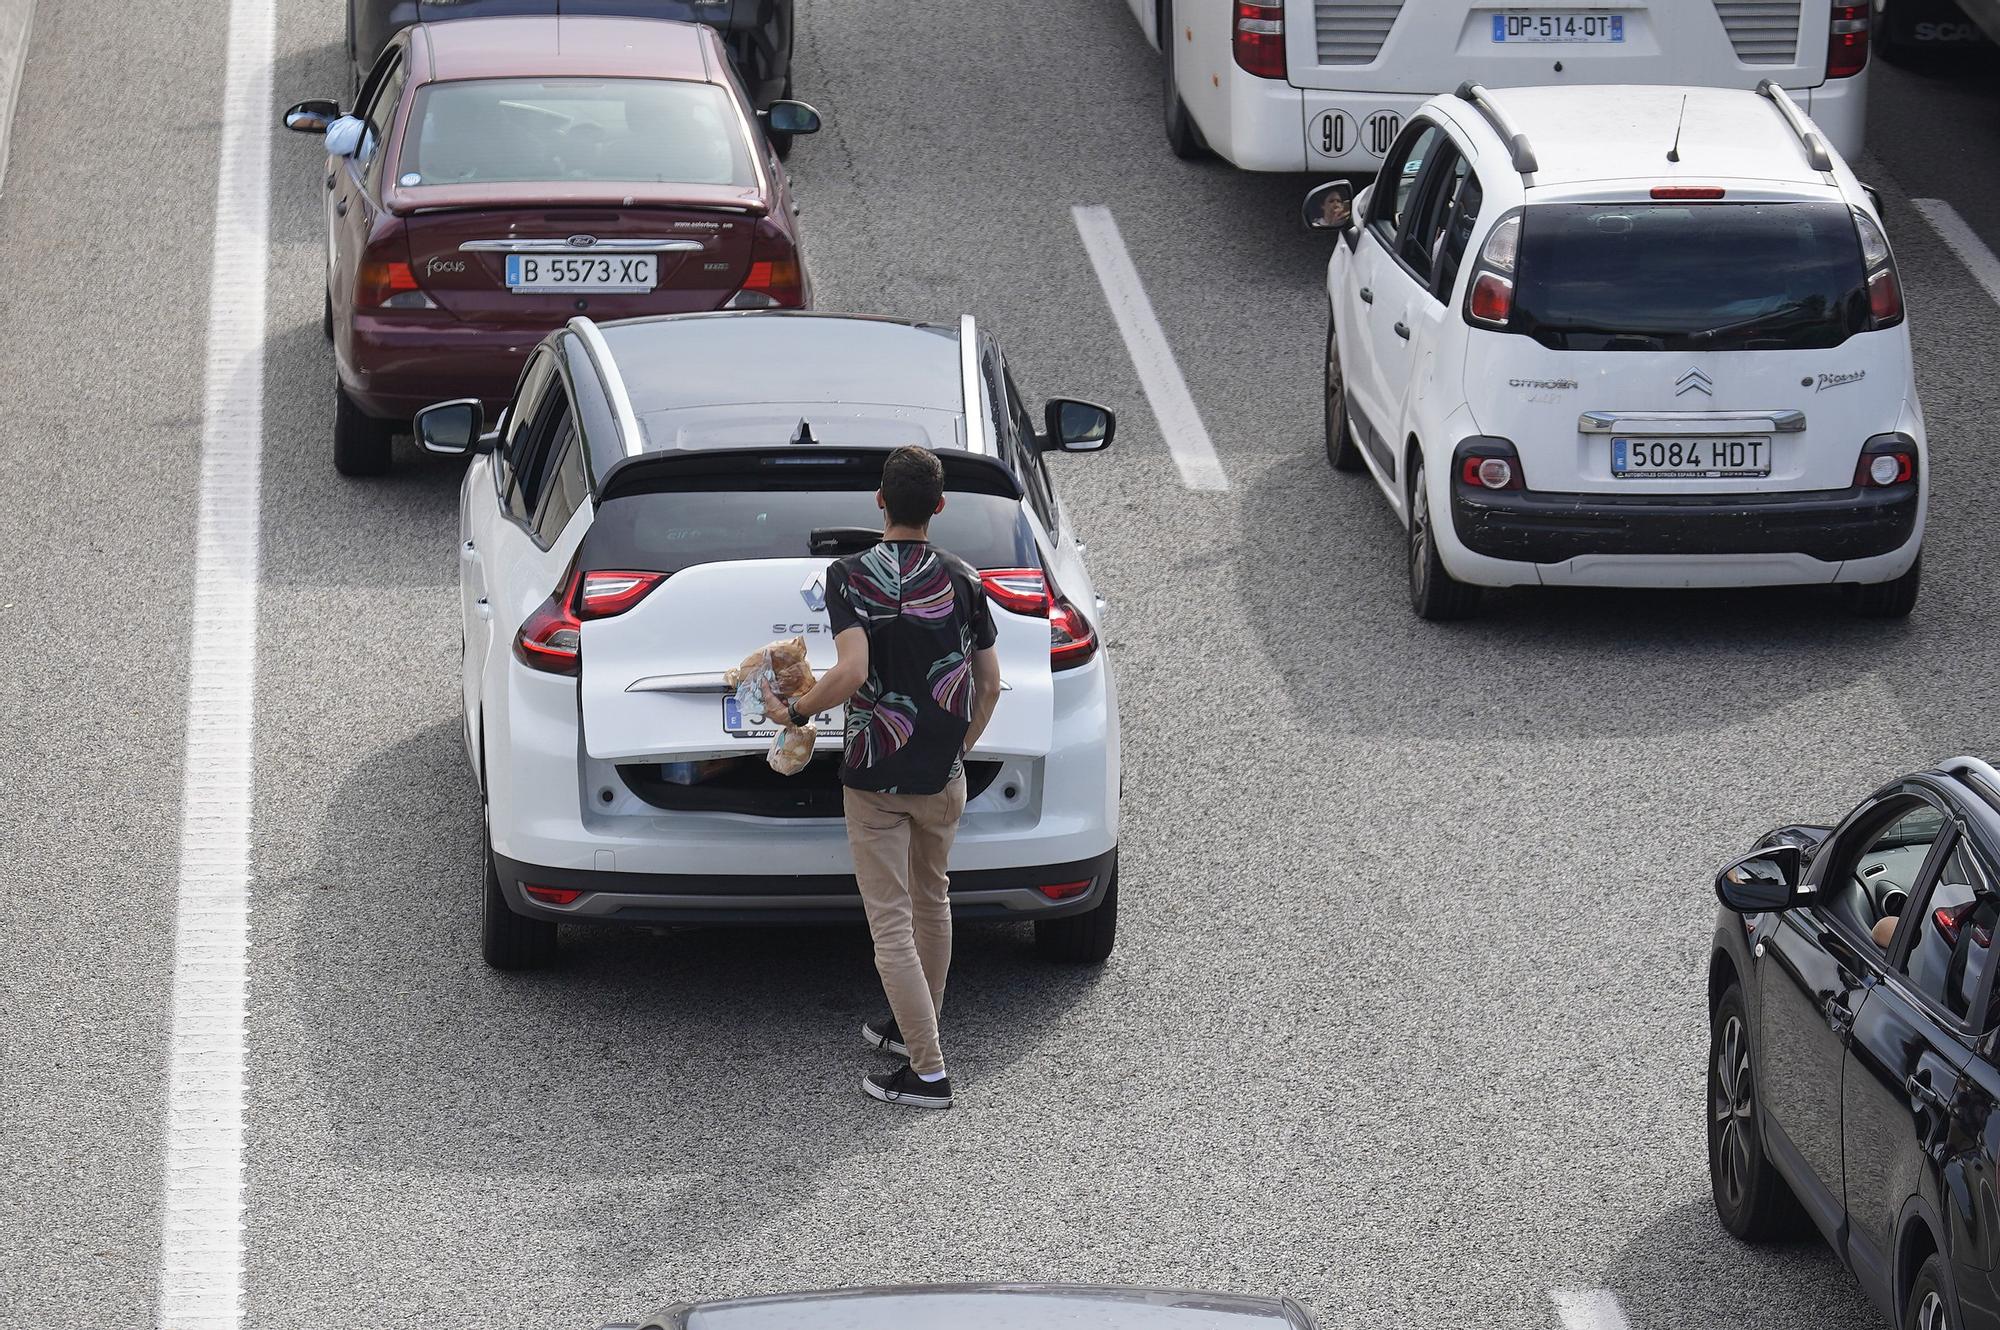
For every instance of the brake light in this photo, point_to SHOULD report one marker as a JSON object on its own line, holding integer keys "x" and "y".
{"x": 1490, "y": 473}
{"x": 1881, "y": 469}
{"x": 1951, "y": 920}
{"x": 1062, "y": 891}
{"x": 389, "y": 285}
{"x": 1258, "y": 41}
{"x": 1027, "y": 591}
{"x": 1492, "y": 299}
{"x": 553, "y": 895}
{"x": 1687, "y": 192}
{"x": 604, "y": 594}
{"x": 1885, "y": 288}
{"x": 1847, "y": 41}
{"x": 1489, "y": 300}
{"x": 776, "y": 281}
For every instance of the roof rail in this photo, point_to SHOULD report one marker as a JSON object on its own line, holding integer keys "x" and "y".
{"x": 968, "y": 383}
{"x": 1517, "y": 142}
{"x": 614, "y": 384}
{"x": 1975, "y": 771}
{"x": 1817, "y": 156}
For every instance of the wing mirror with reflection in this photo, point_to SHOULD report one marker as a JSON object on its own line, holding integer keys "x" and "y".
{"x": 313, "y": 117}
{"x": 1330, "y": 207}
{"x": 1763, "y": 880}
{"x": 453, "y": 429}
{"x": 791, "y": 118}
{"x": 1076, "y": 426}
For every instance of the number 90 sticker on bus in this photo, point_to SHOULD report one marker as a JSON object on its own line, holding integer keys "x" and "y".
{"x": 1335, "y": 133}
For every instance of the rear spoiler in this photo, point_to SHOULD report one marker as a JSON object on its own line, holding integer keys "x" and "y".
{"x": 792, "y": 466}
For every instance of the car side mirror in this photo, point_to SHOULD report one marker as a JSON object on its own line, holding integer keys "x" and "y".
{"x": 1874, "y": 198}
{"x": 1762, "y": 880}
{"x": 344, "y": 136}
{"x": 452, "y": 429}
{"x": 791, "y": 118}
{"x": 1330, "y": 207}
{"x": 312, "y": 117}
{"x": 1077, "y": 427}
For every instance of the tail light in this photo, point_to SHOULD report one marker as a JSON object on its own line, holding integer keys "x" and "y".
{"x": 552, "y": 895}
{"x": 1258, "y": 40}
{"x": 1885, "y": 288}
{"x": 1489, "y": 299}
{"x": 1062, "y": 891}
{"x": 1951, "y": 920}
{"x": 776, "y": 280}
{"x": 1487, "y": 463}
{"x": 1847, "y": 41}
{"x": 551, "y": 639}
{"x": 1890, "y": 459}
{"x": 1027, "y": 591}
{"x": 388, "y": 284}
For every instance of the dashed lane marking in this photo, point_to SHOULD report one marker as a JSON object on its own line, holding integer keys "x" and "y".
{"x": 1159, "y": 374}
{"x": 1589, "y": 1309}
{"x": 1964, "y": 242}
{"x": 201, "y": 1241}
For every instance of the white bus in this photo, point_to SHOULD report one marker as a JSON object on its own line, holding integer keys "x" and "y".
{"x": 1324, "y": 85}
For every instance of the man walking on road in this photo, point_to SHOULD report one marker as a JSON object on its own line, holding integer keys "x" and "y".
{"x": 920, "y": 677}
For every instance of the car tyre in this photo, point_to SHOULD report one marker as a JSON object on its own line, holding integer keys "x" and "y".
{"x": 361, "y": 443}
{"x": 1182, "y": 134}
{"x": 1434, "y": 593}
{"x": 1751, "y": 1198}
{"x": 1082, "y": 939}
{"x": 510, "y": 941}
{"x": 1340, "y": 449}
{"x": 326, "y": 316}
{"x": 1930, "y": 1306}
{"x": 1893, "y": 599}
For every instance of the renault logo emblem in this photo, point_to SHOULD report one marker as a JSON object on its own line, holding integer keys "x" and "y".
{"x": 1694, "y": 381}
{"x": 581, "y": 242}
{"x": 814, "y": 592}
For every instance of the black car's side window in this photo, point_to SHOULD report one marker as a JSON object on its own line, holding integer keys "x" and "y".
{"x": 1951, "y": 946}
{"x": 1869, "y": 887}
{"x": 566, "y": 488}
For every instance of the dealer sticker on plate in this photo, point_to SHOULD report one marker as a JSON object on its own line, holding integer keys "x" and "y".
{"x": 1542, "y": 27}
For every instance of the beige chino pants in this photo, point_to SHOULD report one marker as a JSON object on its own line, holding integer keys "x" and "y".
{"x": 900, "y": 844}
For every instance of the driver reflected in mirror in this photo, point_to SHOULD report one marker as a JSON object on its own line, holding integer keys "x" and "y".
{"x": 1335, "y": 211}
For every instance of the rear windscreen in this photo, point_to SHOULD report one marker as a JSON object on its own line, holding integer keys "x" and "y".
{"x": 651, "y": 131}
{"x": 666, "y": 532}
{"x": 1689, "y": 276}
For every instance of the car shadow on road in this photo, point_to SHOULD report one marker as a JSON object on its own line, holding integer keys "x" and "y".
{"x": 1682, "y": 1269}
{"x": 413, "y": 1058}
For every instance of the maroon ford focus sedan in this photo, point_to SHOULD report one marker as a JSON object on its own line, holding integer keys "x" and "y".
{"x": 503, "y": 175}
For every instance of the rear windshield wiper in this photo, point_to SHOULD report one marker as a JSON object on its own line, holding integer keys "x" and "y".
{"x": 1780, "y": 316}
{"x": 834, "y": 541}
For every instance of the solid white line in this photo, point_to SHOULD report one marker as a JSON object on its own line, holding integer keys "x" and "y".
{"x": 1589, "y": 1309}
{"x": 201, "y": 1242}
{"x": 1964, "y": 242}
{"x": 17, "y": 25}
{"x": 1159, "y": 375}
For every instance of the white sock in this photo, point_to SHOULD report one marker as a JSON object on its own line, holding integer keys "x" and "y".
{"x": 931, "y": 1079}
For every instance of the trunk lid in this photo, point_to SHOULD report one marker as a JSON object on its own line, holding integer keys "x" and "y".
{"x": 651, "y": 679}
{"x": 461, "y": 257}
{"x": 1424, "y": 46}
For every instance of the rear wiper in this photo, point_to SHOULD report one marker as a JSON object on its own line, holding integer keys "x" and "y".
{"x": 1782, "y": 314}
{"x": 834, "y": 541}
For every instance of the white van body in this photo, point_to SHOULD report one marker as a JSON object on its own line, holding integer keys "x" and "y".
{"x": 1355, "y": 70}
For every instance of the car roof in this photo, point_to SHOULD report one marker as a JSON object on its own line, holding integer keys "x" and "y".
{"x": 996, "y": 1307}
{"x": 549, "y": 45}
{"x": 679, "y": 361}
{"x": 1583, "y": 135}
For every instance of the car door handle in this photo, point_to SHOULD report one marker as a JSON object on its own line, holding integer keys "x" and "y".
{"x": 340, "y": 208}
{"x": 1838, "y": 1018}
{"x": 469, "y": 552}
{"x": 1403, "y": 330}
{"x": 1367, "y": 296}
{"x": 1921, "y": 1090}
{"x": 329, "y": 179}
{"x": 483, "y": 608}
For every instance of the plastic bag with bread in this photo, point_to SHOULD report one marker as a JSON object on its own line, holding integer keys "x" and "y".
{"x": 783, "y": 665}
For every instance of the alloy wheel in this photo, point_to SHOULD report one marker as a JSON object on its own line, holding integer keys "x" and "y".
{"x": 1730, "y": 1105}
{"x": 1420, "y": 534}
{"x": 1931, "y": 1314}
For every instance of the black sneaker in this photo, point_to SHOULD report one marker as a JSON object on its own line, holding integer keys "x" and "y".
{"x": 903, "y": 1086}
{"x": 884, "y": 1035}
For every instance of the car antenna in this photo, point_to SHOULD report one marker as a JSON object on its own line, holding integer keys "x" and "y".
{"x": 1674, "y": 153}
{"x": 805, "y": 432}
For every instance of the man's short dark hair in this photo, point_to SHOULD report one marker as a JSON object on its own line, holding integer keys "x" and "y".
{"x": 912, "y": 484}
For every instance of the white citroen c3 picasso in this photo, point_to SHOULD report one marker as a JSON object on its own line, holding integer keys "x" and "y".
{"x": 1625, "y": 337}
{"x": 661, "y": 499}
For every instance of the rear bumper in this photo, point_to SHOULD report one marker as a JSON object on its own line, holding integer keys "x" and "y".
{"x": 732, "y": 898}
{"x": 1831, "y": 526}
{"x": 392, "y": 369}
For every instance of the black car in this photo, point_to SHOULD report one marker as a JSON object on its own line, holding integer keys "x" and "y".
{"x": 758, "y": 33}
{"x": 1854, "y": 1048}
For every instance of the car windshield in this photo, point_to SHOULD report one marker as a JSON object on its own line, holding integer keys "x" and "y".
{"x": 652, "y": 131}
{"x": 669, "y": 531}
{"x": 1689, "y": 276}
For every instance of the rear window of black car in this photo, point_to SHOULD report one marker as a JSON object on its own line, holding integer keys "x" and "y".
{"x": 668, "y": 531}
{"x": 1689, "y": 276}
{"x": 618, "y": 130}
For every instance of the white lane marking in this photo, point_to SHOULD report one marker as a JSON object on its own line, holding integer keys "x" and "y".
{"x": 1159, "y": 375}
{"x": 17, "y": 25}
{"x": 201, "y": 1241}
{"x": 1964, "y": 242}
{"x": 1589, "y": 1309}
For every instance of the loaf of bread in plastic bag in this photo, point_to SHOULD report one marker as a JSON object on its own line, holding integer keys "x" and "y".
{"x": 783, "y": 665}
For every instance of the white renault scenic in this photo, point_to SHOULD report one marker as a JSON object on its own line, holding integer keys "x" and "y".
{"x": 661, "y": 499}
{"x": 1625, "y": 336}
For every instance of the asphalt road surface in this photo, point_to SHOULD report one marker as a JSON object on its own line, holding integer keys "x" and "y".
{"x": 1406, "y": 1018}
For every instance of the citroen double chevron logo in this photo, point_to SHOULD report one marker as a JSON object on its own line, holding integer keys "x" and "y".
{"x": 814, "y": 592}
{"x": 1694, "y": 381}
